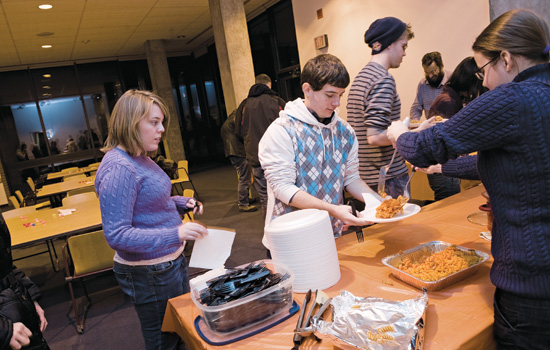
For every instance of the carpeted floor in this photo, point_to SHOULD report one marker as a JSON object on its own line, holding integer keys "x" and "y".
{"x": 111, "y": 322}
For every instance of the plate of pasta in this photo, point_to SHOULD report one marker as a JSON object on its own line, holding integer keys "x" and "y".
{"x": 382, "y": 210}
{"x": 409, "y": 209}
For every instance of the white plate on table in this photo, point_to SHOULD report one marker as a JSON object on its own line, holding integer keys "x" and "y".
{"x": 373, "y": 201}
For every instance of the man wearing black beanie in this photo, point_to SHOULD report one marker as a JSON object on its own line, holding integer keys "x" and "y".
{"x": 373, "y": 103}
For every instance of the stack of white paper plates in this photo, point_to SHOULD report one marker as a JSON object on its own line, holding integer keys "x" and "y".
{"x": 303, "y": 240}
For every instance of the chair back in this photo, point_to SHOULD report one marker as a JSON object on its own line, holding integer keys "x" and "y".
{"x": 183, "y": 170}
{"x": 14, "y": 202}
{"x": 19, "y": 196}
{"x": 78, "y": 198}
{"x": 189, "y": 216}
{"x": 30, "y": 182}
{"x": 18, "y": 212}
{"x": 90, "y": 253}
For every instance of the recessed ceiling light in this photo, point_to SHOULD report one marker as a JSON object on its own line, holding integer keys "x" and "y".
{"x": 46, "y": 87}
{"x": 47, "y": 75}
{"x": 46, "y": 46}
{"x": 43, "y": 34}
{"x": 45, "y": 7}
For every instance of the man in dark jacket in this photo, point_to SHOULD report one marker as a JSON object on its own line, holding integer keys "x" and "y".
{"x": 22, "y": 320}
{"x": 234, "y": 150}
{"x": 254, "y": 115}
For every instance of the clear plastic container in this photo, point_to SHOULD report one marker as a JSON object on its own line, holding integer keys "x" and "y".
{"x": 244, "y": 313}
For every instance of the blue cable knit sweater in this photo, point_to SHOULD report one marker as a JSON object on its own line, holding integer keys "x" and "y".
{"x": 510, "y": 127}
{"x": 140, "y": 219}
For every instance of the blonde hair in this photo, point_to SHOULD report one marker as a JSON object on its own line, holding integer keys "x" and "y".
{"x": 130, "y": 109}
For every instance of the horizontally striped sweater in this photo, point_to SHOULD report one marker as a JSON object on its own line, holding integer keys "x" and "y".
{"x": 373, "y": 103}
{"x": 509, "y": 127}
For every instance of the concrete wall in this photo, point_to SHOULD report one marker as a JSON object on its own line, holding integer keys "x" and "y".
{"x": 447, "y": 26}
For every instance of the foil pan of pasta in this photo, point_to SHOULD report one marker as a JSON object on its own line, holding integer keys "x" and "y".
{"x": 374, "y": 323}
{"x": 435, "y": 265}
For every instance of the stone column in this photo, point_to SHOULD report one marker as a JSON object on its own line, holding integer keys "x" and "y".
{"x": 162, "y": 85}
{"x": 233, "y": 50}
{"x": 498, "y": 7}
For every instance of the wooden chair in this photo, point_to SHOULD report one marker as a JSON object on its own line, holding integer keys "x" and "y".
{"x": 78, "y": 198}
{"x": 84, "y": 256}
{"x": 183, "y": 176}
{"x": 20, "y": 197}
{"x": 32, "y": 195}
{"x": 14, "y": 202}
{"x": 23, "y": 211}
{"x": 189, "y": 215}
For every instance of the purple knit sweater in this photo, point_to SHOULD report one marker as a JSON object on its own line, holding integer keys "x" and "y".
{"x": 140, "y": 219}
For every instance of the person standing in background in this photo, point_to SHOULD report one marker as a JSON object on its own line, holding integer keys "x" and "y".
{"x": 430, "y": 86}
{"x": 508, "y": 126}
{"x": 254, "y": 115}
{"x": 141, "y": 221}
{"x": 463, "y": 86}
{"x": 373, "y": 103}
{"x": 234, "y": 150}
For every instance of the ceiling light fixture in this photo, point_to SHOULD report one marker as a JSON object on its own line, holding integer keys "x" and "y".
{"x": 46, "y": 46}
{"x": 45, "y": 7}
{"x": 47, "y": 75}
{"x": 46, "y": 87}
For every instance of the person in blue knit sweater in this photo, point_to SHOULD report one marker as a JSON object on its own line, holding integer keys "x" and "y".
{"x": 509, "y": 127}
{"x": 141, "y": 221}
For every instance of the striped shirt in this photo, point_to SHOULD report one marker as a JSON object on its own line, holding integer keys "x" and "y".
{"x": 373, "y": 103}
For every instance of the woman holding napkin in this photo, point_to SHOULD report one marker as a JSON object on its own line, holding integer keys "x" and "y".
{"x": 141, "y": 220}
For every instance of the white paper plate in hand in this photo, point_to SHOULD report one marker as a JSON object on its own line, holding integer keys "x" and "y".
{"x": 372, "y": 202}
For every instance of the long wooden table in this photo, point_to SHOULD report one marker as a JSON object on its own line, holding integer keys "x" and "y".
{"x": 61, "y": 174}
{"x": 56, "y": 191}
{"x": 458, "y": 317}
{"x": 48, "y": 224}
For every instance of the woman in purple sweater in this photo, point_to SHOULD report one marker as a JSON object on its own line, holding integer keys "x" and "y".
{"x": 509, "y": 127}
{"x": 140, "y": 219}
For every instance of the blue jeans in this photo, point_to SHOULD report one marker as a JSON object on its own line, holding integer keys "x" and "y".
{"x": 149, "y": 288}
{"x": 243, "y": 170}
{"x": 443, "y": 186}
{"x": 521, "y": 323}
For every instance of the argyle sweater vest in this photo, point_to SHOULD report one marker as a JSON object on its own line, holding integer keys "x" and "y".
{"x": 320, "y": 154}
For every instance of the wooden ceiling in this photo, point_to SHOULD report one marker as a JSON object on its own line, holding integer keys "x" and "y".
{"x": 90, "y": 30}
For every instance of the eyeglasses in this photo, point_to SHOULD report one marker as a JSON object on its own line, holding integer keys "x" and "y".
{"x": 480, "y": 74}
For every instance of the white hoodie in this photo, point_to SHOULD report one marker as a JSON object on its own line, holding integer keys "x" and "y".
{"x": 277, "y": 156}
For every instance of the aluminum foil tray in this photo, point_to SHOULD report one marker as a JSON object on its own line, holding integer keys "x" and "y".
{"x": 423, "y": 250}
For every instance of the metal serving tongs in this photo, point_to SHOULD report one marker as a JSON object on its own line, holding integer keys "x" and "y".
{"x": 384, "y": 170}
{"x": 297, "y": 337}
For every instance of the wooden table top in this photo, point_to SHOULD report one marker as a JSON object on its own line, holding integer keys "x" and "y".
{"x": 64, "y": 187}
{"x": 49, "y": 224}
{"x": 60, "y": 174}
{"x": 459, "y": 316}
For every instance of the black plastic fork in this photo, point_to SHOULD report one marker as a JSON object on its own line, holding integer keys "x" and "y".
{"x": 358, "y": 229}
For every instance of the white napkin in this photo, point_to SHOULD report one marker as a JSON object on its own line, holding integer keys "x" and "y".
{"x": 371, "y": 201}
{"x": 212, "y": 250}
{"x": 65, "y": 212}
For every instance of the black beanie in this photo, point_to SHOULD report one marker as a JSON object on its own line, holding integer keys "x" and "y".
{"x": 383, "y": 32}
